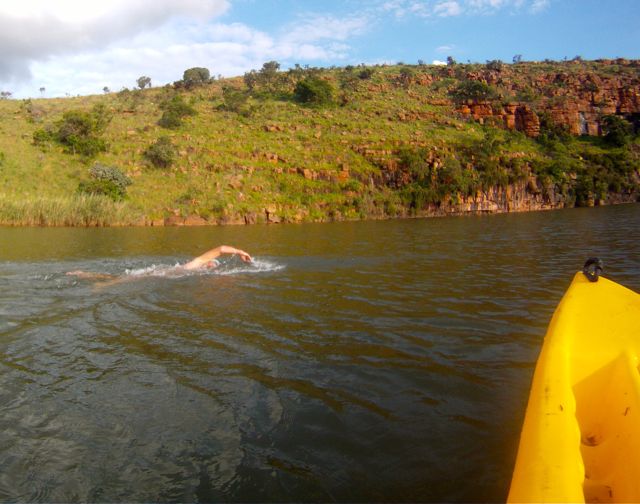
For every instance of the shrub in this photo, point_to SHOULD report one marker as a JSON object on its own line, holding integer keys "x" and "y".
{"x": 42, "y": 137}
{"x": 88, "y": 147}
{"x": 472, "y": 90}
{"x": 100, "y": 188}
{"x": 617, "y": 131}
{"x": 107, "y": 181}
{"x": 314, "y": 91}
{"x": 495, "y": 65}
{"x": 76, "y": 131}
{"x": 431, "y": 184}
{"x": 552, "y": 133}
{"x": 268, "y": 79}
{"x": 452, "y": 178}
{"x": 415, "y": 162}
{"x": 101, "y": 117}
{"x": 492, "y": 173}
{"x": 269, "y": 72}
{"x": 406, "y": 76}
{"x": 177, "y": 104}
{"x": 143, "y": 81}
{"x": 612, "y": 161}
{"x": 236, "y": 101}
{"x": 297, "y": 73}
{"x": 79, "y": 131}
{"x": 161, "y": 153}
{"x": 175, "y": 110}
{"x": 584, "y": 189}
{"x": 443, "y": 84}
{"x": 123, "y": 94}
{"x": 417, "y": 196}
{"x": 366, "y": 74}
{"x": 100, "y": 171}
{"x": 251, "y": 79}
{"x": 74, "y": 124}
{"x": 526, "y": 95}
{"x": 170, "y": 120}
{"x": 196, "y": 76}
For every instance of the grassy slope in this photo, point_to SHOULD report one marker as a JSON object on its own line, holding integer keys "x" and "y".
{"x": 230, "y": 167}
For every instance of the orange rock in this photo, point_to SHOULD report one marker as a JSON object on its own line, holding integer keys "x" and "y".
{"x": 174, "y": 220}
{"x": 195, "y": 220}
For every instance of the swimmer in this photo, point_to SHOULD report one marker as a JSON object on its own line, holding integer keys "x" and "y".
{"x": 208, "y": 260}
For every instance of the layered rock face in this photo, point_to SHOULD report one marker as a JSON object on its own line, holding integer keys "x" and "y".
{"x": 525, "y": 196}
{"x": 515, "y": 117}
{"x": 576, "y": 100}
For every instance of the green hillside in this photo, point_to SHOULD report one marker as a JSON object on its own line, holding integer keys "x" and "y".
{"x": 315, "y": 145}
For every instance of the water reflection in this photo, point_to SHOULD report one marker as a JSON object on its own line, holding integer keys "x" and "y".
{"x": 383, "y": 360}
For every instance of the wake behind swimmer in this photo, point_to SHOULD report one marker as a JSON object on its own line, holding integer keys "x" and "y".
{"x": 204, "y": 262}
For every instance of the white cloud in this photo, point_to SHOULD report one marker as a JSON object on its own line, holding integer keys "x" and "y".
{"x": 489, "y": 4}
{"x": 83, "y": 12}
{"x": 439, "y": 63}
{"x": 77, "y": 53}
{"x": 397, "y": 7}
{"x": 37, "y": 30}
{"x": 539, "y": 5}
{"x": 317, "y": 28}
{"x": 446, "y": 9}
{"x": 444, "y": 49}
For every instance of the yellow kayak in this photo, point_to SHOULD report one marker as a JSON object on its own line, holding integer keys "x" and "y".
{"x": 580, "y": 441}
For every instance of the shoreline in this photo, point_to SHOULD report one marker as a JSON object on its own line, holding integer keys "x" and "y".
{"x": 196, "y": 221}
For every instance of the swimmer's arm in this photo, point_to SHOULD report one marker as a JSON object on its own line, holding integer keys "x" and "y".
{"x": 212, "y": 254}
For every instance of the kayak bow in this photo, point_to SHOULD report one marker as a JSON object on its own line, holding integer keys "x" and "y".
{"x": 580, "y": 441}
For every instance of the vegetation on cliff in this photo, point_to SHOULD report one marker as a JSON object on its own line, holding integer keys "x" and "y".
{"x": 312, "y": 144}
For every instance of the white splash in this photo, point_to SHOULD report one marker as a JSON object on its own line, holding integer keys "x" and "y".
{"x": 153, "y": 270}
{"x": 226, "y": 268}
{"x": 255, "y": 266}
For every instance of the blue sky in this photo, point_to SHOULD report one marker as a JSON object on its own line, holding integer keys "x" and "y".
{"x": 71, "y": 47}
{"x": 476, "y": 31}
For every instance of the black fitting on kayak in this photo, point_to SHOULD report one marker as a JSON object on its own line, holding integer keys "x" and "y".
{"x": 592, "y": 269}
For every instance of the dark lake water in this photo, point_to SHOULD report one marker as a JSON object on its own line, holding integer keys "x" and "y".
{"x": 354, "y": 362}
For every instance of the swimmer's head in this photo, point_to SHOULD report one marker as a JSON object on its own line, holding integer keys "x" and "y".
{"x": 211, "y": 264}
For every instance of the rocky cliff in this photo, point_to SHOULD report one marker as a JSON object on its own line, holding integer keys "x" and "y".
{"x": 575, "y": 98}
{"x": 524, "y": 196}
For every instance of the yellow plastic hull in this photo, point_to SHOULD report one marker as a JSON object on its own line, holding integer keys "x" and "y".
{"x": 580, "y": 441}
